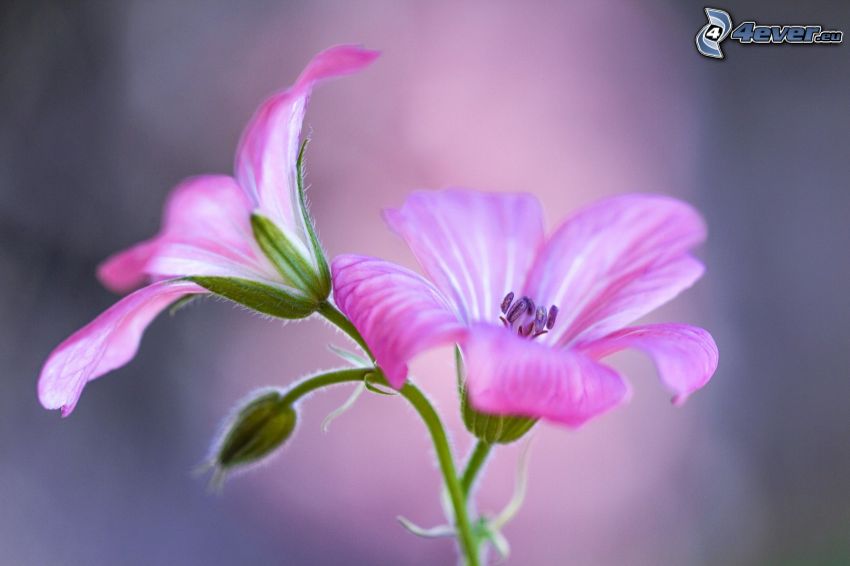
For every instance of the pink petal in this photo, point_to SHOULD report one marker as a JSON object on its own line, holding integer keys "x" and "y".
{"x": 106, "y": 343}
{"x": 613, "y": 262}
{"x": 399, "y": 313}
{"x": 265, "y": 160}
{"x": 475, "y": 246}
{"x": 510, "y": 375}
{"x": 206, "y": 231}
{"x": 685, "y": 356}
{"x": 127, "y": 270}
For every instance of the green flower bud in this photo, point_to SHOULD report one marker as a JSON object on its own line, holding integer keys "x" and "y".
{"x": 493, "y": 429}
{"x": 255, "y": 431}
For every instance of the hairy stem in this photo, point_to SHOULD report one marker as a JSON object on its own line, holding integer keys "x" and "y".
{"x": 310, "y": 384}
{"x": 417, "y": 399}
{"x": 474, "y": 465}
{"x": 447, "y": 467}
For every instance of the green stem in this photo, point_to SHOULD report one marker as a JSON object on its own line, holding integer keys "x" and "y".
{"x": 432, "y": 420}
{"x": 435, "y": 427}
{"x": 310, "y": 384}
{"x": 447, "y": 467}
{"x": 474, "y": 465}
{"x": 333, "y": 315}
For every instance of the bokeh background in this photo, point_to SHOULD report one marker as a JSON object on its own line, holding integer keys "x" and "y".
{"x": 104, "y": 106}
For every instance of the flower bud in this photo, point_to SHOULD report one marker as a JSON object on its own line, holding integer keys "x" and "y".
{"x": 257, "y": 429}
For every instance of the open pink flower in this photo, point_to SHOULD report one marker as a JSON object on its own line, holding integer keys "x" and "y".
{"x": 533, "y": 315}
{"x": 209, "y": 234}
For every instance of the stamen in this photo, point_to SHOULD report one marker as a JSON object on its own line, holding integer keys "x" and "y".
{"x": 518, "y": 309}
{"x": 506, "y": 302}
{"x": 524, "y": 318}
{"x": 553, "y": 314}
{"x": 540, "y": 319}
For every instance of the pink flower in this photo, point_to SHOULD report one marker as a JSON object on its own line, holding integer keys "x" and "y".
{"x": 534, "y": 315}
{"x": 218, "y": 234}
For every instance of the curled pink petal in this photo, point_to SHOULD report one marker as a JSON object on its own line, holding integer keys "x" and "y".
{"x": 399, "y": 313}
{"x": 205, "y": 231}
{"x": 475, "y": 246}
{"x": 510, "y": 375}
{"x": 265, "y": 160}
{"x": 615, "y": 261}
{"x": 685, "y": 356}
{"x": 106, "y": 343}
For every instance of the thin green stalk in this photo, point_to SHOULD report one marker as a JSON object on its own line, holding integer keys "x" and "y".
{"x": 474, "y": 465}
{"x": 447, "y": 467}
{"x": 334, "y": 315}
{"x": 310, "y": 384}
{"x": 432, "y": 421}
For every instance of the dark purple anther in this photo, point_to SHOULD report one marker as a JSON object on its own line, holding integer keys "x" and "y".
{"x": 553, "y": 314}
{"x": 530, "y": 303}
{"x": 506, "y": 302}
{"x": 517, "y": 310}
{"x": 540, "y": 319}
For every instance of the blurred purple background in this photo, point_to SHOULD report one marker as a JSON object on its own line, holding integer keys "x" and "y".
{"x": 105, "y": 106}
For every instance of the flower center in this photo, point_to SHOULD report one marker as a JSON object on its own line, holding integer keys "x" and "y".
{"x": 528, "y": 321}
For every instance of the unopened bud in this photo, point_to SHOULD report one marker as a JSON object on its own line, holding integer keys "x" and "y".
{"x": 258, "y": 428}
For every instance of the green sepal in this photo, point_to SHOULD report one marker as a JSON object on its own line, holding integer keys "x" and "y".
{"x": 318, "y": 252}
{"x": 257, "y": 429}
{"x": 494, "y": 429}
{"x": 295, "y": 269}
{"x": 260, "y": 297}
{"x": 376, "y": 388}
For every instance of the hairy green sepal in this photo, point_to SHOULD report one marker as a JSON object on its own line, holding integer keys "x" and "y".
{"x": 295, "y": 269}
{"x": 324, "y": 273}
{"x": 260, "y": 297}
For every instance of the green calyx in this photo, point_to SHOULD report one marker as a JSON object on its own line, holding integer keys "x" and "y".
{"x": 302, "y": 266}
{"x": 493, "y": 429}
{"x": 301, "y": 262}
{"x": 324, "y": 270}
{"x": 266, "y": 299}
{"x": 258, "y": 428}
{"x": 294, "y": 268}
